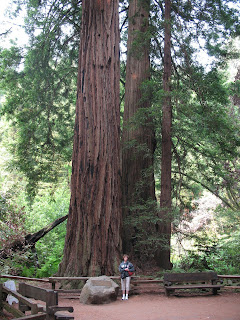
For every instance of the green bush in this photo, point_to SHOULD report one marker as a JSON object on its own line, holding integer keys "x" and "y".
{"x": 47, "y": 208}
{"x": 222, "y": 257}
{"x": 42, "y": 260}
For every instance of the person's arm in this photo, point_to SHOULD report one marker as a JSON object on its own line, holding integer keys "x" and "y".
{"x": 120, "y": 268}
{"x": 131, "y": 267}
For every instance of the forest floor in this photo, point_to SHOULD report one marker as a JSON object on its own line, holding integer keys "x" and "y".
{"x": 224, "y": 306}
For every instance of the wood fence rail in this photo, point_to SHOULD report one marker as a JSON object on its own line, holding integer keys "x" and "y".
{"x": 135, "y": 279}
{"x": 228, "y": 276}
{"x": 7, "y": 276}
{"x": 52, "y": 279}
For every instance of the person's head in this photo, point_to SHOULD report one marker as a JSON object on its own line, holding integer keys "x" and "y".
{"x": 125, "y": 257}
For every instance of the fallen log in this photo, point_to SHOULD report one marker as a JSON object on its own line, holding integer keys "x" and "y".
{"x": 30, "y": 239}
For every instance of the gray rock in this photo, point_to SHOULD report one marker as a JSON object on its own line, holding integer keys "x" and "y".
{"x": 99, "y": 290}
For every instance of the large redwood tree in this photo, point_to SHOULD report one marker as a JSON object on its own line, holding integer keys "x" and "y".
{"x": 138, "y": 135}
{"x": 93, "y": 243}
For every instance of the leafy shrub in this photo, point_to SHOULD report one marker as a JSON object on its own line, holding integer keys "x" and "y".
{"x": 12, "y": 231}
{"x": 16, "y": 222}
{"x": 222, "y": 257}
{"x": 47, "y": 208}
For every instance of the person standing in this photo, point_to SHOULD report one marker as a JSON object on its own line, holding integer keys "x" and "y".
{"x": 126, "y": 269}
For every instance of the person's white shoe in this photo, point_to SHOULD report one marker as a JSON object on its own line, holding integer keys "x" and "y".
{"x": 123, "y": 297}
{"x": 126, "y": 298}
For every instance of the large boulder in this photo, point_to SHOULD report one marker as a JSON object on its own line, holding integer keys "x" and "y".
{"x": 99, "y": 290}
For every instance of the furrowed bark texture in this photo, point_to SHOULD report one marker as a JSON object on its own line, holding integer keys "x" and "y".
{"x": 93, "y": 243}
{"x": 166, "y": 197}
{"x": 138, "y": 139}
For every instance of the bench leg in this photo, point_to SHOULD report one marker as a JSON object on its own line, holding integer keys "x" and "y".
{"x": 166, "y": 292}
{"x": 214, "y": 291}
{"x": 50, "y": 317}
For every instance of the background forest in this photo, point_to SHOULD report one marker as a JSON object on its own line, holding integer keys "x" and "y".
{"x": 38, "y": 86}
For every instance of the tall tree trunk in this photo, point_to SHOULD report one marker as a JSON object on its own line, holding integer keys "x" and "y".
{"x": 165, "y": 197}
{"x": 138, "y": 136}
{"x": 93, "y": 243}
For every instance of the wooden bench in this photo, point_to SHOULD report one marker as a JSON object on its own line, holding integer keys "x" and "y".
{"x": 198, "y": 280}
{"x": 50, "y": 297}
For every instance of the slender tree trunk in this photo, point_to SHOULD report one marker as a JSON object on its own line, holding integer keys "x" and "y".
{"x": 93, "y": 244}
{"x": 165, "y": 197}
{"x": 138, "y": 136}
{"x": 236, "y": 98}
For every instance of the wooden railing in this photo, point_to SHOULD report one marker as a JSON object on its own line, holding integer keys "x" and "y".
{"x": 17, "y": 313}
{"x": 7, "y": 276}
{"x": 135, "y": 279}
{"x": 50, "y": 310}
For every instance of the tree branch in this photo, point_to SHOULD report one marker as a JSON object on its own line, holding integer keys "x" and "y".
{"x": 208, "y": 188}
{"x": 31, "y": 239}
{"x": 5, "y": 33}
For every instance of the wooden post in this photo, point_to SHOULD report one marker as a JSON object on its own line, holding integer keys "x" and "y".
{"x": 51, "y": 300}
{"x": 22, "y": 307}
{"x": 53, "y": 285}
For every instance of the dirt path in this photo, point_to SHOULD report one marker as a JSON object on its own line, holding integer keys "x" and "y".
{"x": 224, "y": 306}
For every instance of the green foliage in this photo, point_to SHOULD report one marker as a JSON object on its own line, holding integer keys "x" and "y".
{"x": 222, "y": 256}
{"x": 12, "y": 231}
{"x": 143, "y": 219}
{"x": 44, "y": 259}
{"x": 40, "y": 90}
{"x": 227, "y": 257}
{"x": 205, "y": 137}
{"x": 12, "y": 220}
{"x": 19, "y": 264}
{"x": 46, "y": 208}
{"x": 207, "y": 240}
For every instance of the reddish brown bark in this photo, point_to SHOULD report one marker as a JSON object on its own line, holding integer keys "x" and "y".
{"x": 138, "y": 139}
{"x": 166, "y": 197}
{"x": 93, "y": 243}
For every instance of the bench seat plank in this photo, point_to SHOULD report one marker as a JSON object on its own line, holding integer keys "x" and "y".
{"x": 193, "y": 286}
{"x": 61, "y": 316}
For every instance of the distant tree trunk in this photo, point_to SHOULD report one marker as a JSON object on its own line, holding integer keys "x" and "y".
{"x": 163, "y": 258}
{"x": 236, "y": 98}
{"x": 138, "y": 136}
{"x": 93, "y": 244}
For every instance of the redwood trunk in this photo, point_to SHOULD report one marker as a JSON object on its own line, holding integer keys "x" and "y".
{"x": 93, "y": 244}
{"x": 166, "y": 197}
{"x": 138, "y": 139}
